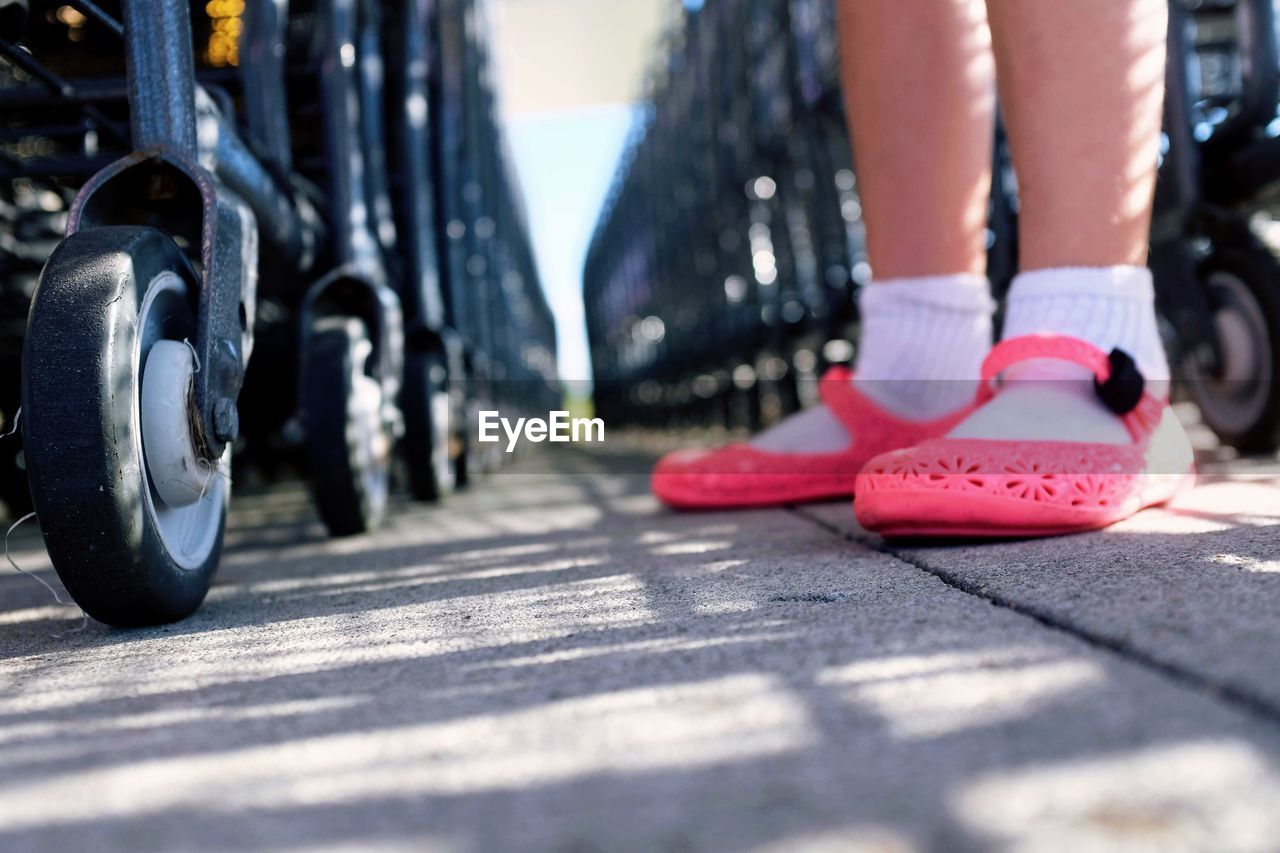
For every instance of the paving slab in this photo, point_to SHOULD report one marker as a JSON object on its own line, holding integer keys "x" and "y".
{"x": 1194, "y": 585}
{"x": 553, "y": 663}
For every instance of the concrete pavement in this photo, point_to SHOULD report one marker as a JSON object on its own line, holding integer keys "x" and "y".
{"x": 552, "y": 662}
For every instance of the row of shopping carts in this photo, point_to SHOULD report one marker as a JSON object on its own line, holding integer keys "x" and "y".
{"x": 724, "y": 270}
{"x": 290, "y": 230}
{"x": 724, "y": 265}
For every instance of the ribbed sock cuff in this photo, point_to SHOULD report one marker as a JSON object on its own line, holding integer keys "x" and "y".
{"x": 923, "y": 342}
{"x": 1109, "y": 307}
{"x": 965, "y": 293}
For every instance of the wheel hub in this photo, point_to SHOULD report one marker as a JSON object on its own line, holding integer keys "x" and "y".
{"x": 374, "y": 447}
{"x": 185, "y": 495}
{"x": 178, "y": 474}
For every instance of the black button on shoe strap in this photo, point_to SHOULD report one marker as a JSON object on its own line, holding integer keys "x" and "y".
{"x": 1122, "y": 391}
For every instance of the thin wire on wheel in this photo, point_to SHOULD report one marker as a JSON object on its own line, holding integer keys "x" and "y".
{"x": 189, "y": 523}
{"x": 215, "y": 470}
{"x": 194, "y": 357}
{"x": 58, "y": 598}
{"x": 17, "y": 416}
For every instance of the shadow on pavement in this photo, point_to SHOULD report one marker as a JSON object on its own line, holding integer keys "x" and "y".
{"x": 551, "y": 662}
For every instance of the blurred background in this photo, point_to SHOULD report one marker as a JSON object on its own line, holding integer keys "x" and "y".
{"x": 646, "y": 206}
{"x": 571, "y": 73}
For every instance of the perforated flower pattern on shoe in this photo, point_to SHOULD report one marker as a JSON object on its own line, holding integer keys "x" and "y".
{"x": 1065, "y": 474}
{"x": 984, "y": 487}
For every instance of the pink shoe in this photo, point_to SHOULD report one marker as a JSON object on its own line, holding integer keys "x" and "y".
{"x": 740, "y": 476}
{"x": 991, "y": 488}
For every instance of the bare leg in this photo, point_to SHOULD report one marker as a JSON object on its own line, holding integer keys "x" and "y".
{"x": 1082, "y": 85}
{"x": 1081, "y": 82}
{"x": 919, "y": 79}
{"x": 919, "y": 84}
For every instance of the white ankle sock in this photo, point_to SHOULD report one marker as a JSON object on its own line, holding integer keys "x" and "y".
{"x": 923, "y": 341}
{"x": 1109, "y": 307}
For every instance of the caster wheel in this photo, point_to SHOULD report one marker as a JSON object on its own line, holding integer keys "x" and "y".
{"x": 481, "y": 460}
{"x": 428, "y": 437}
{"x": 1241, "y": 404}
{"x": 468, "y": 466}
{"x": 492, "y": 457}
{"x": 348, "y": 441}
{"x": 132, "y": 516}
{"x": 471, "y": 459}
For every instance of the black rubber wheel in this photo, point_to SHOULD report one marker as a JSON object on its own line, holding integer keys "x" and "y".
{"x": 428, "y": 440}
{"x": 347, "y": 443}
{"x": 1242, "y": 404}
{"x": 471, "y": 462}
{"x": 467, "y": 470}
{"x": 93, "y": 321}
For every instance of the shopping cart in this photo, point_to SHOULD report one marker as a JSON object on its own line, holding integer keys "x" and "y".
{"x": 722, "y": 273}
{"x": 1213, "y": 240}
{"x": 276, "y": 192}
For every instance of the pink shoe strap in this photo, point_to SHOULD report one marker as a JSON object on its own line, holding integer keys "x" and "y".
{"x": 1140, "y": 411}
{"x": 836, "y": 390}
{"x": 866, "y": 419}
{"x": 1056, "y": 347}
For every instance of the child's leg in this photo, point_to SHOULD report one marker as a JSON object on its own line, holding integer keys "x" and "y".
{"x": 919, "y": 83}
{"x": 1082, "y": 83}
{"x": 1082, "y": 86}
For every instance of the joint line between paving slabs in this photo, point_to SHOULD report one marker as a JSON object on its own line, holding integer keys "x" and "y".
{"x": 1242, "y": 700}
